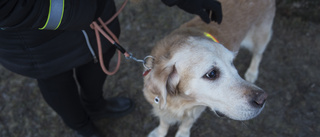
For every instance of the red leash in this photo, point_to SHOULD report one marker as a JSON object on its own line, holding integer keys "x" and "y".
{"x": 104, "y": 30}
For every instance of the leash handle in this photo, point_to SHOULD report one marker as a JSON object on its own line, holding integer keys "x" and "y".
{"x": 98, "y": 29}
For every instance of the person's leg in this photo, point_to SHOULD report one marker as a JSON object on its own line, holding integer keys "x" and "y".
{"x": 61, "y": 94}
{"x": 91, "y": 79}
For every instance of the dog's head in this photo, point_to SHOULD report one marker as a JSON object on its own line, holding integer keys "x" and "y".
{"x": 197, "y": 71}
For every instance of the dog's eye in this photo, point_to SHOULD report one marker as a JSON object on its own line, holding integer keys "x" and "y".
{"x": 213, "y": 74}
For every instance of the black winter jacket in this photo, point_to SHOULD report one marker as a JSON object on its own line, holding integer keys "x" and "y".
{"x": 28, "y": 51}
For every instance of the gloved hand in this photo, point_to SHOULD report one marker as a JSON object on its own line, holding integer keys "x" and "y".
{"x": 199, "y": 7}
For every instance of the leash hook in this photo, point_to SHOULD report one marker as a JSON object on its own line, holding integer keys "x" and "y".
{"x": 143, "y": 61}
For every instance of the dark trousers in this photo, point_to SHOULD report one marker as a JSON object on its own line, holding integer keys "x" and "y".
{"x": 62, "y": 94}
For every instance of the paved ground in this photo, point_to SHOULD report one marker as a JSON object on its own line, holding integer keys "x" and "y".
{"x": 289, "y": 72}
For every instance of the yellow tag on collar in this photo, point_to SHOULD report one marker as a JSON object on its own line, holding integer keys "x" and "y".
{"x": 211, "y": 37}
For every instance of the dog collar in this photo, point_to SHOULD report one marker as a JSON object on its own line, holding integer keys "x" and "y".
{"x": 148, "y": 69}
{"x": 211, "y": 37}
{"x": 145, "y": 73}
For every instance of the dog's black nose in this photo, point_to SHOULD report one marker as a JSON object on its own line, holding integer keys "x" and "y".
{"x": 259, "y": 98}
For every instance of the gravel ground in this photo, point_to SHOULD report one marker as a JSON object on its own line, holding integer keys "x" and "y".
{"x": 289, "y": 72}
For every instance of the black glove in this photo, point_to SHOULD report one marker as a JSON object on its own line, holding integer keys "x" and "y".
{"x": 199, "y": 7}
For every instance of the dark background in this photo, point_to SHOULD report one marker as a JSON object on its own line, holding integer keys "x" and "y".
{"x": 289, "y": 72}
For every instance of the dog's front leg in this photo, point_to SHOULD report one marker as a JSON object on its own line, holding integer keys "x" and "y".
{"x": 187, "y": 122}
{"x": 161, "y": 130}
{"x": 185, "y": 126}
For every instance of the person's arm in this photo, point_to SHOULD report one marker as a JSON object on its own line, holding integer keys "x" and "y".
{"x": 49, "y": 14}
{"x": 199, "y": 7}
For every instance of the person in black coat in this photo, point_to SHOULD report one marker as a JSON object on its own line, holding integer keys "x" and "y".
{"x": 45, "y": 40}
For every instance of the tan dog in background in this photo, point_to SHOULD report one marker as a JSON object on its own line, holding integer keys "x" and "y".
{"x": 191, "y": 72}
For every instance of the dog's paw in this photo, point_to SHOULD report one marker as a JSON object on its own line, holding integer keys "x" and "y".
{"x": 183, "y": 134}
{"x": 156, "y": 133}
{"x": 153, "y": 134}
{"x": 251, "y": 76}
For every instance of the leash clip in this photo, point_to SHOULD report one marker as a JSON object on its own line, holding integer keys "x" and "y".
{"x": 143, "y": 61}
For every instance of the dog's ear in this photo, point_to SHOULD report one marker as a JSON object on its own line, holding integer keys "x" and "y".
{"x": 173, "y": 81}
{"x": 164, "y": 82}
{"x": 169, "y": 83}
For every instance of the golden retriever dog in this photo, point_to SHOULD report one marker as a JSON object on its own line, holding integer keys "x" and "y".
{"x": 190, "y": 71}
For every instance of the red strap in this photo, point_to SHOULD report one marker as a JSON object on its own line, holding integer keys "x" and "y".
{"x": 145, "y": 73}
{"x": 98, "y": 29}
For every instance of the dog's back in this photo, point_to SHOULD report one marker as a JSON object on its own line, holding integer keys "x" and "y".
{"x": 238, "y": 17}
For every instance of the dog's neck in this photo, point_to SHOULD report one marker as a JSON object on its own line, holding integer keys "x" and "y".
{"x": 196, "y": 27}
